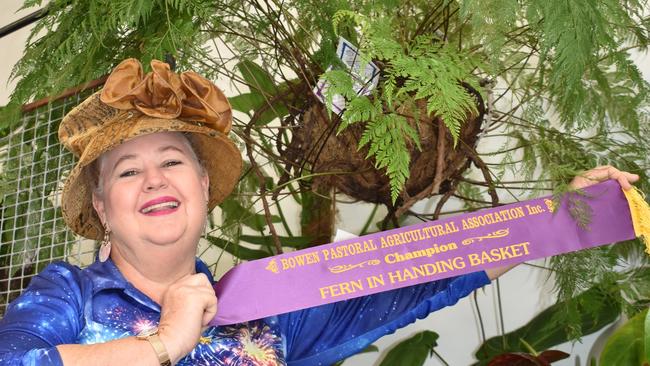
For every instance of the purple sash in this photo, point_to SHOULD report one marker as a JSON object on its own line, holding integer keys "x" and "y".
{"x": 425, "y": 252}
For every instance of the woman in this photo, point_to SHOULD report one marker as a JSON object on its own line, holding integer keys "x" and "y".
{"x": 154, "y": 159}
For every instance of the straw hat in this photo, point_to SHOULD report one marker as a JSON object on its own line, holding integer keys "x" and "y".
{"x": 132, "y": 104}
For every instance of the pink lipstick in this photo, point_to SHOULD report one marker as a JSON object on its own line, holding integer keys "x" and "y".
{"x": 160, "y": 206}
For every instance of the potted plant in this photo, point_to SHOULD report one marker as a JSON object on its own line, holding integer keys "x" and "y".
{"x": 472, "y": 102}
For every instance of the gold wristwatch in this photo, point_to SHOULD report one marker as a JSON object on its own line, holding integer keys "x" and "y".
{"x": 151, "y": 335}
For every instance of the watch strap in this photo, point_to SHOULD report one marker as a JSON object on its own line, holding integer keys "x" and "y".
{"x": 159, "y": 348}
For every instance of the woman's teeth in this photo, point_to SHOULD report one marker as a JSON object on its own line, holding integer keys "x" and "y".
{"x": 160, "y": 206}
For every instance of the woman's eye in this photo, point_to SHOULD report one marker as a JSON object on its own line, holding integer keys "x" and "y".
{"x": 128, "y": 173}
{"x": 172, "y": 163}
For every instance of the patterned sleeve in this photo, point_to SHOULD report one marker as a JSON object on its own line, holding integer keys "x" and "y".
{"x": 48, "y": 313}
{"x": 329, "y": 333}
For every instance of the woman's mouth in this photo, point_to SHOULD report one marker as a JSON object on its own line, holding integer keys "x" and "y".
{"x": 160, "y": 206}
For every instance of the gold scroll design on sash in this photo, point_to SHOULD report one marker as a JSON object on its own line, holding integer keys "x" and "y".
{"x": 346, "y": 267}
{"x": 549, "y": 204}
{"x": 493, "y": 235}
{"x": 273, "y": 266}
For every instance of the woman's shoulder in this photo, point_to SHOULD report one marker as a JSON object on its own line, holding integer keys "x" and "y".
{"x": 61, "y": 269}
{"x": 59, "y": 274}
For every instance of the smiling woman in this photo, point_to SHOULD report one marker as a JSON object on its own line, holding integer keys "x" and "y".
{"x": 154, "y": 192}
{"x": 153, "y": 159}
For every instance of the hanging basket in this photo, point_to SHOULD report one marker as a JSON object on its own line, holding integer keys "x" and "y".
{"x": 339, "y": 164}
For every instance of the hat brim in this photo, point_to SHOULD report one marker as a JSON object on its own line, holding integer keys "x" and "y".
{"x": 218, "y": 154}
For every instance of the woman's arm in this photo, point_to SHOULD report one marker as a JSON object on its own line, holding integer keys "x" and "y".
{"x": 584, "y": 180}
{"x": 47, "y": 313}
{"x": 329, "y": 333}
{"x": 125, "y": 351}
{"x": 42, "y": 325}
{"x": 187, "y": 306}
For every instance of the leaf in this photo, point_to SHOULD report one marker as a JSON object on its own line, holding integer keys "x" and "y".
{"x": 515, "y": 359}
{"x": 247, "y": 102}
{"x": 246, "y": 216}
{"x": 526, "y": 359}
{"x": 254, "y": 101}
{"x": 546, "y": 330}
{"x": 286, "y": 241}
{"x": 626, "y": 345}
{"x": 413, "y": 351}
{"x": 238, "y": 251}
{"x": 646, "y": 336}
{"x": 276, "y": 110}
{"x": 553, "y": 355}
{"x": 256, "y": 77}
{"x": 358, "y": 110}
{"x": 370, "y": 348}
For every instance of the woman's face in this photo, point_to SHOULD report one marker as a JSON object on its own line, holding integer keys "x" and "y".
{"x": 153, "y": 191}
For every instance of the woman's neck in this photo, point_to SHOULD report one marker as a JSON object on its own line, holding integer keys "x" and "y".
{"x": 152, "y": 270}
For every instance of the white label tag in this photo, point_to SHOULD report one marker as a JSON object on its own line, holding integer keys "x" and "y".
{"x": 364, "y": 81}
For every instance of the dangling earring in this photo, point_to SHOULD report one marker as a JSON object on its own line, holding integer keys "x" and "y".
{"x": 105, "y": 248}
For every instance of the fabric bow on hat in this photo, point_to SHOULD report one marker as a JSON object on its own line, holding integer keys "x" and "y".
{"x": 162, "y": 93}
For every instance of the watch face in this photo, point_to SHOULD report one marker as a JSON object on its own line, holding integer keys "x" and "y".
{"x": 148, "y": 332}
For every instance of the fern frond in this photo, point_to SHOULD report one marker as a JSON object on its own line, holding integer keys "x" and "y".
{"x": 387, "y": 136}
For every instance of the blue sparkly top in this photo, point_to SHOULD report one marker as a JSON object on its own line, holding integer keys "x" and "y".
{"x": 68, "y": 305}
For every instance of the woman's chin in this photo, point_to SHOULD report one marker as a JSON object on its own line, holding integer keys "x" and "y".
{"x": 169, "y": 236}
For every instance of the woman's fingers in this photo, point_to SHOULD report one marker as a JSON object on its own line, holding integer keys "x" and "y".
{"x": 210, "y": 311}
{"x": 626, "y": 179}
{"x": 603, "y": 173}
{"x": 187, "y": 306}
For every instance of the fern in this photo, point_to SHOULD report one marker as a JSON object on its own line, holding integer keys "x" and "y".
{"x": 77, "y": 43}
{"x": 386, "y": 136}
{"x": 359, "y": 110}
{"x": 426, "y": 70}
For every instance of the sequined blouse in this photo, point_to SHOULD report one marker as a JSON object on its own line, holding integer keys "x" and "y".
{"x": 67, "y": 305}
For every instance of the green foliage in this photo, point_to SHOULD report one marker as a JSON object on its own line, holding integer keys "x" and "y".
{"x": 578, "y": 45}
{"x": 387, "y": 134}
{"x": 79, "y": 41}
{"x": 646, "y": 336}
{"x": 471, "y": 196}
{"x": 245, "y": 215}
{"x": 259, "y": 99}
{"x": 627, "y": 345}
{"x": 256, "y": 77}
{"x": 413, "y": 351}
{"x": 425, "y": 70}
{"x": 238, "y": 251}
{"x": 562, "y": 92}
{"x": 547, "y": 329}
{"x": 296, "y": 242}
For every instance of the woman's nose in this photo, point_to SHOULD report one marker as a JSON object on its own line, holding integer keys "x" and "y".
{"x": 155, "y": 179}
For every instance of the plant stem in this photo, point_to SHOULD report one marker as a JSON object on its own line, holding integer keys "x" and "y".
{"x": 503, "y": 328}
{"x": 364, "y": 230}
{"x": 439, "y": 357}
{"x": 480, "y": 316}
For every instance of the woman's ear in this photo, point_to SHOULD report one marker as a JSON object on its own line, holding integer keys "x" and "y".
{"x": 205, "y": 183}
{"x": 98, "y": 204}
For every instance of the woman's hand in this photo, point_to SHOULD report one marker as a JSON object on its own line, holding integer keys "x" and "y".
{"x": 584, "y": 180}
{"x": 188, "y": 305}
{"x": 603, "y": 173}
